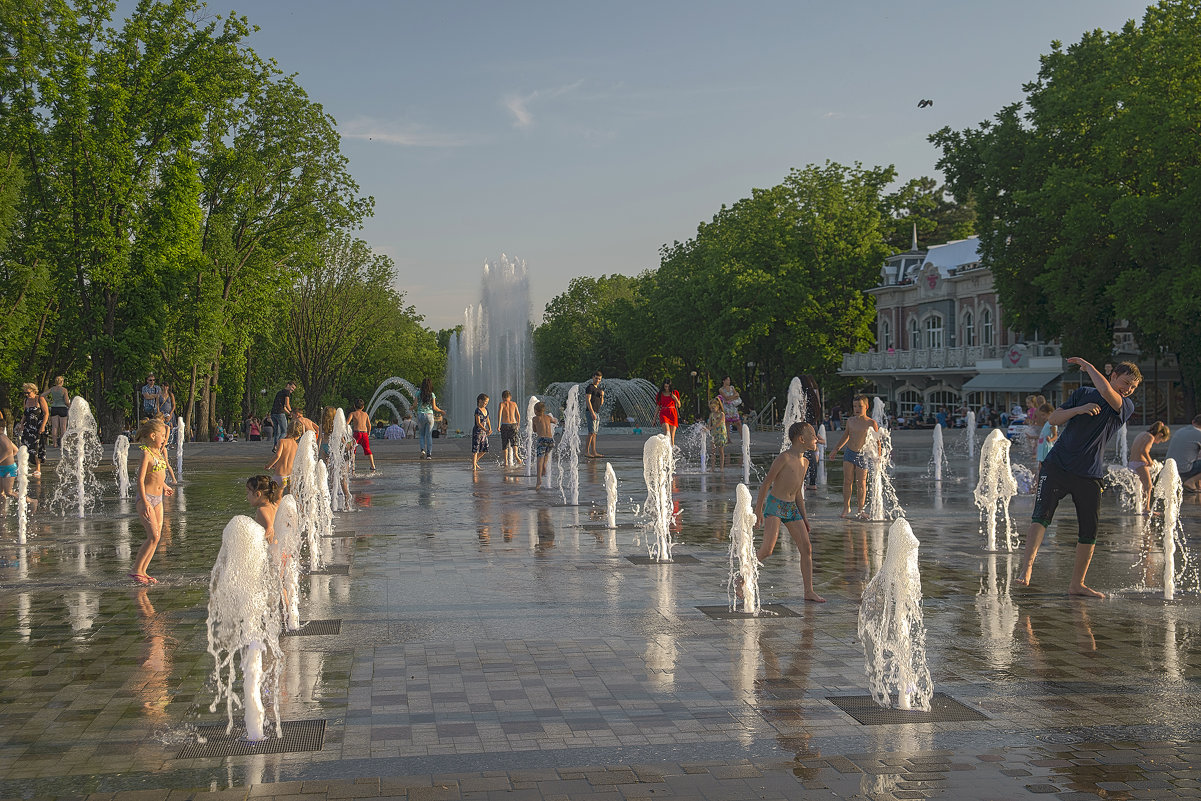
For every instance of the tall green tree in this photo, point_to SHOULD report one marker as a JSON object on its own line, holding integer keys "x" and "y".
{"x": 1088, "y": 190}
{"x": 922, "y": 205}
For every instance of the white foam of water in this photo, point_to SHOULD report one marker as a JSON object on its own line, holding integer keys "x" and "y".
{"x": 179, "y": 438}
{"x": 22, "y": 494}
{"x": 340, "y": 443}
{"x": 794, "y": 410}
{"x": 610, "y": 496}
{"x": 305, "y": 486}
{"x": 691, "y": 444}
{"x": 746, "y": 454}
{"x": 1123, "y": 445}
{"x": 285, "y": 558}
{"x": 325, "y": 508}
{"x": 635, "y": 396}
{"x": 882, "y": 502}
{"x": 1168, "y": 491}
{"x": 878, "y": 411}
{"x": 938, "y": 456}
{"x": 970, "y": 435}
{"x": 891, "y": 626}
{"x": 1024, "y": 478}
{"x": 744, "y": 561}
{"x": 656, "y": 471}
{"x": 821, "y": 454}
{"x": 387, "y": 391}
{"x": 121, "y": 465}
{"x": 1129, "y": 488}
{"x": 995, "y": 487}
{"x": 244, "y": 620}
{"x": 527, "y": 439}
{"x": 78, "y": 490}
{"x": 567, "y": 451}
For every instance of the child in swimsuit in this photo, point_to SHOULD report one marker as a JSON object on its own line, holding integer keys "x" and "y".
{"x": 282, "y": 463}
{"x": 1140, "y": 457}
{"x": 152, "y": 486}
{"x": 8, "y": 466}
{"x": 480, "y": 431}
{"x": 544, "y": 429}
{"x": 718, "y": 429}
{"x": 855, "y": 461}
{"x": 781, "y": 501}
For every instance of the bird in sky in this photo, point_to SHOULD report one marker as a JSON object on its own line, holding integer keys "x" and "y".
{"x": 924, "y": 103}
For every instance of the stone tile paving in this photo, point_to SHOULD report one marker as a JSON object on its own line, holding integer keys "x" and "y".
{"x": 497, "y": 644}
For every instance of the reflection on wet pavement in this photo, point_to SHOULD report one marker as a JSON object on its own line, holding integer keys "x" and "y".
{"x": 489, "y": 631}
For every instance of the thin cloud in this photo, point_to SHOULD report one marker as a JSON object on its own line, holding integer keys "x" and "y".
{"x": 401, "y": 134}
{"x": 519, "y": 105}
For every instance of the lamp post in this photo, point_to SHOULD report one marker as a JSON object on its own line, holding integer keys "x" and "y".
{"x": 746, "y": 385}
{"x": 698, "y": 397}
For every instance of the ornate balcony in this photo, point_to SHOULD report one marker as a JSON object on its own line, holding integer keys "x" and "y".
{"x": 924, "y": 360}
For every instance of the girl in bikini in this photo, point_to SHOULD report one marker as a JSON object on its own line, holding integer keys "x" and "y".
{"x": 152, "y": 486}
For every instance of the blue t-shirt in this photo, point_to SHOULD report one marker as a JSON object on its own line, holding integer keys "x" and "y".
{"x": 1080, "y": 448}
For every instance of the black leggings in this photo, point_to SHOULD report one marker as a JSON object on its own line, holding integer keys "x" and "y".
{"x": 1055, "y": 484}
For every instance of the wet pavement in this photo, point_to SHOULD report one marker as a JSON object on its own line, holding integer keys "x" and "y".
{"x": 495, "y": 643}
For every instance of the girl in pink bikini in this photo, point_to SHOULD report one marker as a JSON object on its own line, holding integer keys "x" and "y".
{"x": 152, "y": 486}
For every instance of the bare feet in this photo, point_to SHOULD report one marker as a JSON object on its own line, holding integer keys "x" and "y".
{"x": 1087, "y": 592}
{"x": 846, "y": 513}
{"x": 810, "y": 595}
{"x": 140, "y": 578}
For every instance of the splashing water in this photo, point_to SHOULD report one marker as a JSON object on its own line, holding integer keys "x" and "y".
{"x": 527, "y": 439}
{"x": 970, "y": 435}
{"x": 878, "y": 411}
{"x": 285, "y": 559}
{"x": 744, "y": 561}
{"x": 306, "y": 487}
{"x": 1169, "y": 491}
{"x": 635, "y": 396}
{"x": 891, "y": 627}
{"x": 1129, "y": 488}
{"x": 22, "y": 494}
{"x": 820, "y": 453}
{"x": 746, "y": 454}
{"x": 938, "y": 456}
{"x": 243, "y": 619}
{"x": 389, "y": 390}
{"x": 882, "y": 502}
{"x": 121, "y": 465}
{"x": 325, "y": 506}
{"x": 78, "y": 488}
{"x": 567, "y": 452}
{"x": 995, "y": 488}
{"x": 180, "y": 436}
{"x": 692, "y": 444}
{"x": 656, "y": 471}
{"x": 1122, "y": 443}
{"x": 341, "y": 442}
{"x": 794, "y": 410}
{"x": 610, "y": 496}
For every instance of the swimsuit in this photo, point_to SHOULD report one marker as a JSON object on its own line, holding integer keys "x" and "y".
{"x": 479, "y": 437}
{"x": 8, "y": 470}
{"x": 360, "y": 437}
{"x": 154, "y": 500}
{"x": 545, "y": 445}
{"x": 1135, "y": 464}
{"x": 508, "y": 435}
{"x": 857, "y": 458}
{"x": 787, "y": 511}
{"x": 158, "y": 463}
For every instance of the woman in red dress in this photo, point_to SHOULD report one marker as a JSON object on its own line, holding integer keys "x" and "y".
{"x": 669, "y": 410}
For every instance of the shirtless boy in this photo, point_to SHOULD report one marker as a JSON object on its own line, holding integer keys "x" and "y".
{"x": 780, "y": 500}
{"x": 510, "y": 418}
{"x": 281, "y": 465}
{"x": 8, "y": 466}
{"x": 544, "y": 432}
{"x": 360, "y": 428}
{"x": 855, "y": 461}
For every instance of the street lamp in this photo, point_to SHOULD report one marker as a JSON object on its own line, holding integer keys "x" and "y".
{"x": 746, "y": 384}
{"x": 694, "y": 392}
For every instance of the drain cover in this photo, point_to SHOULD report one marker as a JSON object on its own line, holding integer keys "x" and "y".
{"x": 314, "y": 628}
{"x": 296, "y": 735}
{"x": 675, "y": 560}
{"x": 767, "y": 611}
{"x": 943, "y": 709}
{"x": 332, "y": 570}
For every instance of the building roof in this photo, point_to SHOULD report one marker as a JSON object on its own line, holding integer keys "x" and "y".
{"x": 954, "y": 254}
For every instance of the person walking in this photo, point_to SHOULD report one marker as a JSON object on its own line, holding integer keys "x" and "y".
{"x": 150, "y": 397}
{"x": 33, "y": 426}
{"x": 427, "y": 405}
{"x": 668, "y": 401}
{"x": 596, "y": 399}
{"x": 281, "y": 410}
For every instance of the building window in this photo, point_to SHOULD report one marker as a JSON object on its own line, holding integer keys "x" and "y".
{"x": 986, "y": 326}
{"x": 934, "y": 332}
{"x": 885, "y": 335}
{"x": 915, "y": 341}
{"x": 969, "y": 329}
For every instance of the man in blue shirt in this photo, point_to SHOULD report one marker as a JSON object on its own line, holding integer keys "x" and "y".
{"x": 1089, "y": 419}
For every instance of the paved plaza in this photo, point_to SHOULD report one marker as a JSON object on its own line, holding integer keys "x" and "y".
{"x": 493, "y": 643}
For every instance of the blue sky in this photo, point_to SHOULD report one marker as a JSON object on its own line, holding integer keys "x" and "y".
{"x": 581, "y": 137}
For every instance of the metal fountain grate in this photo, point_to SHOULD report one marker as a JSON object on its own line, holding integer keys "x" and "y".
{"x": 296, "y": 735}
{"x": 943, "y": 709}
{"x": 315, "y": 628}
{"x": 767, "y": 612}
{"x": 332, "y": 570}
{"x": 675, "y": 560}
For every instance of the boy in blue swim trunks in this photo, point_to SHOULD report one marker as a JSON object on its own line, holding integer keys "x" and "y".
{"x": 855, "y": 464}
{"x": 544, "y": 430}
{"x": 8, "y": 466}
{"x": 781, "y": 500}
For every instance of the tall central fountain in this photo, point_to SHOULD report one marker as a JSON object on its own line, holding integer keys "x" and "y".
{"x": 493, "y": 352}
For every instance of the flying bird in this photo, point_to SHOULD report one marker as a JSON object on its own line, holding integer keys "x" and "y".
{"x": 924, "y": 103}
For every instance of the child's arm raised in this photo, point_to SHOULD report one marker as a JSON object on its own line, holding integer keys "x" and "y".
{"x": 1110, "y": 395}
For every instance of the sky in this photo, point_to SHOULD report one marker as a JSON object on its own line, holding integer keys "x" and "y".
{"x": 581, "y": 137}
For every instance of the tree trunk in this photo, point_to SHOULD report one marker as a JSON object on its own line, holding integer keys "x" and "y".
{"x": 214, "y": 393}
{"x": 191, "y": 405}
